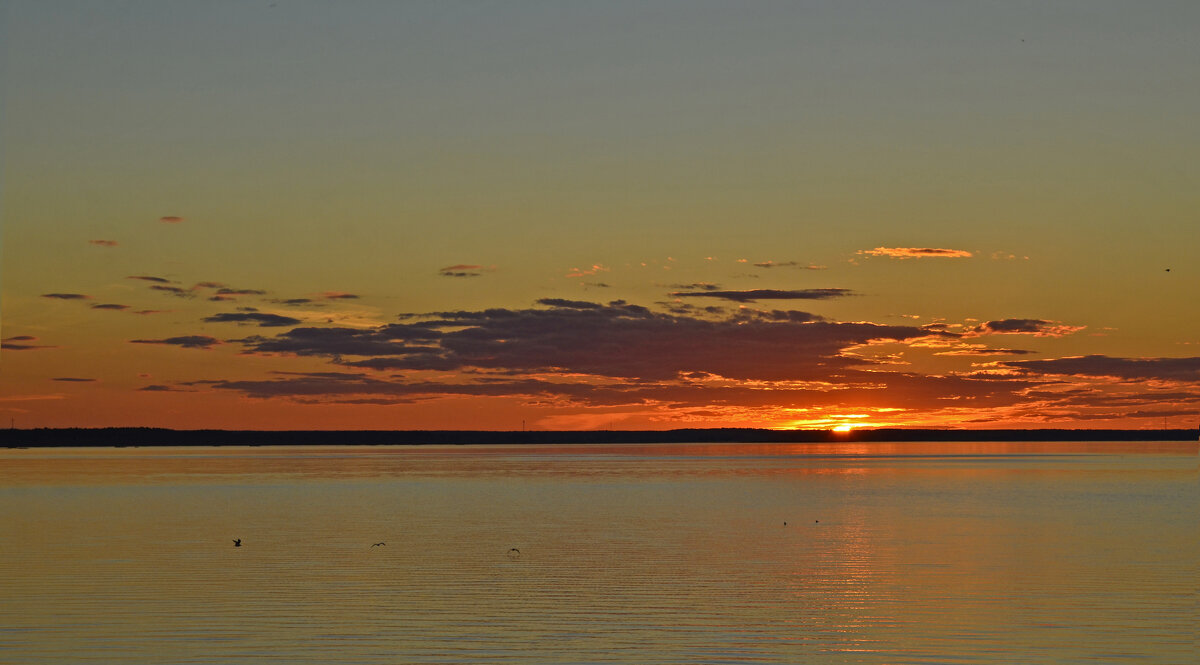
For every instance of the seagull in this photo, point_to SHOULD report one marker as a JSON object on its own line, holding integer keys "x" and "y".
{"x": 378, "y": 544}
{"x": 237, "y": 542}
{"x": 514, "y": 552}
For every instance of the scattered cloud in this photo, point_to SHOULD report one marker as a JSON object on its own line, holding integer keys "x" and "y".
{"x": 109, "y": 305}
{"x": 262, "y": 319}
{"x": 916, "y": 252}
{"x": 581, "y": 272}
{"x": 186, "y": 341}
{"x": 150, "y": 278}
{"x": 1034, "y": 327}
{"x": 338, "y": 295}
{"x": 240, "y": 292}
{"x": 72, "y": 379}
{"x": 1129, "y": 369}
{"x": 983, "y": 352}
{"x": 67, "y": 296}
{"x": 170, "y": 219}
{"x": 104, "y": 243}
{"x": 178, "y": 292}
{"x": 569, "y": 304}
{"x": 295, "y": 301}
{"x": 754, "y": 295}
{"x": 23, "y": 343}
{"x": 465, "y": 270}
{"x": 788, "y": 264}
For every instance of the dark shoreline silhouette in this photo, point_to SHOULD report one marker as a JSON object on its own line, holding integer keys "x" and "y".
{"x": 146, "y": 436}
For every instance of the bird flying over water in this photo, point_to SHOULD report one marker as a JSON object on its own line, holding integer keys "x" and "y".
{"x": 378, "y": 544}
{"x": 237, "y": 542}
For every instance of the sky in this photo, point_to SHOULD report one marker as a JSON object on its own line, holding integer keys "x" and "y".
{"x": 285, "y": 214}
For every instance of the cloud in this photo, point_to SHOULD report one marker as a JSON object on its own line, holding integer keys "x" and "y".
{"x": 294, "y": 301}
{"x": 983, "y": 352}
{"x": 1034, "y": 327}
{"x": 72, "y": 379}
{"x": 338, "y": 295}
{"x": 916, "y": 252}
{"x": 788, "y": 264}
{"x": 465, "y": 270}
{"x": 263, "y": 320}
{"x": 240, "y": 292}
{"x": 108, "y": 305}
{"x": 569, "y": 304}
{"x": 1131, "y": 369}
{"x": 170, "y": 219}
{"x": 696, "y": 286}
{"x": 614, "y": 340}
{"x": 103, "y": 243}
{"x": 580, "y": 272}
{"x": 176, "y": 291}
{"x": 67, "y": 296}
{"x": 150, "y": 278}
{"x": 754, "y": 295}
{"x": 186, "y": 341}
{"x": 23, "y": 343}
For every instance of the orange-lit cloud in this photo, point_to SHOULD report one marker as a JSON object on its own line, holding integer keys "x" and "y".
{"x": 788, "y": 264}
{"x": 916, "y": 252}
{"x": 170, "y": 219}
{"x": 66, "y": 296}
{"x": 104, "y": 243}
{"x": 580, "y": 272}
{"x": 1034, "y": 327}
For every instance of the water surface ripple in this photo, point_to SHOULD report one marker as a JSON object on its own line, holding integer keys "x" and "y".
{"x": 808, "y": 553}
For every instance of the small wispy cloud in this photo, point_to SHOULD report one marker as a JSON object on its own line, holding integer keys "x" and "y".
{"x": 339, "y": 295}
{"x": 916, "y": 252}
{"x": 72, "y": 379}
{"x": 261, "y": 319}
{"x": 1034, "y": 327}
{"x": 110, "y": 305}
{"x": 150, "y": 278}
{"x": 67, "y": 296}
{"x": 23, "y": 343}
{"x": 788, "y": 264}
{"x": 185, "y": 341}
{"x": 580, "y": 272}
{"x": 170, "y": 219}
{"x": 465, "y": 270}
{"x": 178, "y": 292}
{"x": 103, "y": 243}
{"x": 754, "y": 295}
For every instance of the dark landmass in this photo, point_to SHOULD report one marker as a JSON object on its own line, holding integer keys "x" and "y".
{"x": 145, "y": 436}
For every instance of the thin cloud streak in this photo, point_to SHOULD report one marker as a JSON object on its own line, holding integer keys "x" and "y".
{"x": 916, "y": 253}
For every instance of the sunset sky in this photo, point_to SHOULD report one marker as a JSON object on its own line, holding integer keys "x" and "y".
{"x": 285, "y": 214}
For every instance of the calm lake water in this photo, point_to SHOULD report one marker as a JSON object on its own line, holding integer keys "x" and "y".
{"x": 812, "y": 553}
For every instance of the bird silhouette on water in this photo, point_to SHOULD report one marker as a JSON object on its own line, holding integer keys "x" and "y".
{"x": 237, "y": 542}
